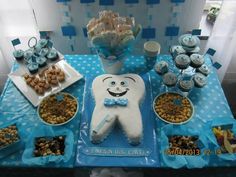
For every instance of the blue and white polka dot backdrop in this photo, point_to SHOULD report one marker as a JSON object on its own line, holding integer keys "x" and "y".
{"x": 209, "y": 102}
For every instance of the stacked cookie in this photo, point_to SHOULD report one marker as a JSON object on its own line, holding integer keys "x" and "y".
{"x": 111, "y": 31}
{"x": 45, "y": 80}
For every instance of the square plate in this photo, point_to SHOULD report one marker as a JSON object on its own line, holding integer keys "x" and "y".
{"x": 71, "y": 77}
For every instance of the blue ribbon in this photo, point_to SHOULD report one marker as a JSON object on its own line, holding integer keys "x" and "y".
{"x": 113, "y": 102}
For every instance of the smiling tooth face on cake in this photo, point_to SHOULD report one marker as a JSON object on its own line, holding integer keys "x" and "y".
{"x": 117, "y": 99}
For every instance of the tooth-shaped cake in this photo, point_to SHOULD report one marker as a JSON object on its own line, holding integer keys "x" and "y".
{"x": 117, "y": 100}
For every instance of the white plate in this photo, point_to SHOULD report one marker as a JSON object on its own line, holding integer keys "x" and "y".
{"x": 71, "y": 77}
{"x": 166, "y": 121}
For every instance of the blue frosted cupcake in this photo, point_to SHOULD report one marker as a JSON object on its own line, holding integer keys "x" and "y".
{"x": 42, "y": 61}
{"x": 170, "y": 79}
{"x": 33, "y": 67}
{"x": 178, "y": 49}
{"x": 182, "y": 61}
{"x": 52, "y": 55}
{"x": 197, "y": 60}
{"x": 204, "y": 69}
{"x": 43, "y": 52}
{"x": 18, "y": 54}
{"x": 42, "y": 43}
{"x": 185, "y": 85}
{"x": 161, "y": 67}
{"x": 199, "y": 80}
{"x": 28, "y": 54}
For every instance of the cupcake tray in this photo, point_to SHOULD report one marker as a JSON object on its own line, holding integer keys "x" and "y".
{"x": 71, "y": 76}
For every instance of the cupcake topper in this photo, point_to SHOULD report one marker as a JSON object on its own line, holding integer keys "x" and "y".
{"x": 32, "y": 42}
{"x": 59, "y": 97}
{"x": 178, "y": 101}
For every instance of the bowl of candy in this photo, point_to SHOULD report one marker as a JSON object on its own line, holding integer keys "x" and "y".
{"x": 173, "y": 108}
{"x": 112, "y": 36}
{"x": 58, "y": 109}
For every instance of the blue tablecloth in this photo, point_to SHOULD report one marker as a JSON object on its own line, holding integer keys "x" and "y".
{"x": 209, "y": 103}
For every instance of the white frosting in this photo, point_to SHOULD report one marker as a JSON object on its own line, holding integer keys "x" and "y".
{"x": 128, "y": 87}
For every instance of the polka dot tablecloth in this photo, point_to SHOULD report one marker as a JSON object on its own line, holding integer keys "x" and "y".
{"x": 209, "y": 103}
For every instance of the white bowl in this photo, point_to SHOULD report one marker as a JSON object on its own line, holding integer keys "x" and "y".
{"x": 153, "y": 105}
{"x": 41, "y": 119}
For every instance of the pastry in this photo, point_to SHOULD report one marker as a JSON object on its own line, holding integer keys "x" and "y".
{"x": 33, "y": 67}
{"x": 18, "y": 54}
{"x": 182, "y": 61}
{"x": 42, "y": 61}
{"x": 52, "y": 55}
{"x": 170, "y": 79}
{"x": 185, "y": 85}
{"x": 116, "y": 96}
{"x": 197, "y": 60}
{"x": 161, "y": 67}
{"x": 204, "y": 69}
{"x": 176, "y": 50}
{"x": 199, "y": 80}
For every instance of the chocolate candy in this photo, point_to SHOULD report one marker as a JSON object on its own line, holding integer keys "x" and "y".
{"x": 45, "y": 146}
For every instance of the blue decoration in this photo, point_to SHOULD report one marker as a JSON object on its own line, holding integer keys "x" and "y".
{"x": 106, "y": 2}
{"x": 131, "y": 1}
{"x": 117, "y": 152}
{"x": 178, "y": 102}
{"x": 177, "y": 1}
{"x": 217, "y": 65}
{"x": 149, "y": 33}
{"x": 68, "y": 30}
{"x": 102, "y": 123}
{"x": 15, "y": 42}
{"x": 59, "y": 97}
{"x": 43, "y": 34}
{"x": 211, "y": 51}
{"x": 86, "y": 1}
{"x": 172, "y": 31}
{"x": 149, "y": 2}
{"x": 50, "y": 44}
{"x": 196, "y": 32}
{"x": 85, "y": 32}
{"x": 112, "y": 102}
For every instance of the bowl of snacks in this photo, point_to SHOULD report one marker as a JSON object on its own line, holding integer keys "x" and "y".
{"x": 58, "y": 109}
{"x": 173, "y": 108}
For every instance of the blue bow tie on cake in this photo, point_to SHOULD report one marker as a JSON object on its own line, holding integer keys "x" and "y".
{"x": 115, "y": 102}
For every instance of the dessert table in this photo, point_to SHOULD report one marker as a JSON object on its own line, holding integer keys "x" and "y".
{"x": 209, "y": 103}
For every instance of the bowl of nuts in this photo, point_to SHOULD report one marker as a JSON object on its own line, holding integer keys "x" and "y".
{"x": 173, "y": 108}
{"x": 58, "y": 109}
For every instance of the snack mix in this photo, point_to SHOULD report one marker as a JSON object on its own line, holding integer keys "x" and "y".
{"x": 170, "y": 111}
{"x": 53, "y": 111}
{"x": 45, "y": 146}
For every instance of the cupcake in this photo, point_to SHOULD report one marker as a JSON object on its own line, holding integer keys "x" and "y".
{"x": 18, "y": 54}
{"x": 185, "y": 85}
{"x": 33, "y": 67}
{"x": 42, "y": 43}
{"x": 28, "y": 54}
{"x": 170, "y": 79}
{"x": 178, "y": 49}
{"x": 199, "y": 80}
{"x": 42, "y": 61}
{"x": 182, "y": 61}
{"x": 52, "y": 55}
{"x": 197, "y": 60}
{"x": 43, "y": 52}
{"x": 192, "y": 51}
{"x": 204, "y": 69}
{"x": 161, "y": 67}
{"x": 189, "y": 41}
